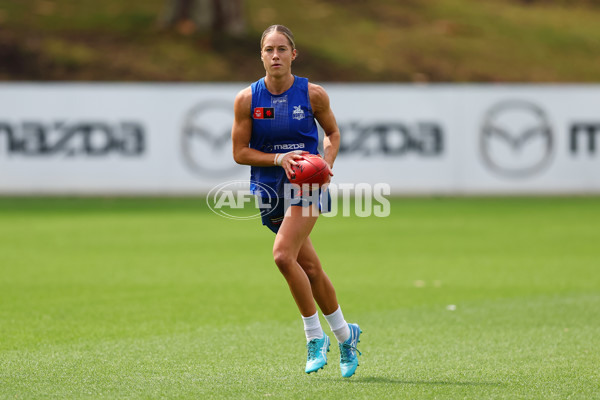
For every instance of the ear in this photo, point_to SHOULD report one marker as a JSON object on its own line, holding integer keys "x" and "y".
{"x": 294, "y": 54}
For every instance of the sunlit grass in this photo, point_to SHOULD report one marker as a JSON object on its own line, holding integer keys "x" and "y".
{"x": 147, "y": 298}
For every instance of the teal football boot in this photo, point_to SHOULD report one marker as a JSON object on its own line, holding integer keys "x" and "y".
{"x": 348, "y": 357}
{"x": 317, "y": 354}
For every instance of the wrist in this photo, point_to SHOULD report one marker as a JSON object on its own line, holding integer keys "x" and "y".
{"x": 278, "y": 159}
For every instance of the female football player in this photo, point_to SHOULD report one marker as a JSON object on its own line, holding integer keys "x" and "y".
{"x": 274, "y": 124}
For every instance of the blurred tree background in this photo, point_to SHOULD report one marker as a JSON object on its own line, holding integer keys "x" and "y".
{"x": 338, "y": 40}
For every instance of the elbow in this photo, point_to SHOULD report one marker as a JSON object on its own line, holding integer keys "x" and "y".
{"x": 237, "y": 156}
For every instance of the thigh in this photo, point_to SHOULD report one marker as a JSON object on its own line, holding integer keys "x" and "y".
{"x": 295, "y": 228}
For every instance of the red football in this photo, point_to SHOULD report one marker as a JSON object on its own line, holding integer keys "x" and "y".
{"x": 310, "y": 169}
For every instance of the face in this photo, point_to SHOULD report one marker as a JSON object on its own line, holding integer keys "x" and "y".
{"x": 277, "y": 54}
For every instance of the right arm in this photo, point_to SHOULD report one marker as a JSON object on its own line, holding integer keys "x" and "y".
{"x": 241, "y": 133}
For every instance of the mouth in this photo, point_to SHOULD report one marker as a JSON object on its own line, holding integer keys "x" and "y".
{"x": 276, "y": 65}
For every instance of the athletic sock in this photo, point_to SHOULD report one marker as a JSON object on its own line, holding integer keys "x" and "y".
{"x": 338, "y": 325}
{"x": 312, "y": 327}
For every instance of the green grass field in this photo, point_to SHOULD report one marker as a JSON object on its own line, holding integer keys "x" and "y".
{"x": 160, "y": 298}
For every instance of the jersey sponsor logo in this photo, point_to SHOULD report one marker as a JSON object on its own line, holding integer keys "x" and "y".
{"x": 289, "y": 146}
{"x": 264, "y": 113}
{"x": 298, "y": 113}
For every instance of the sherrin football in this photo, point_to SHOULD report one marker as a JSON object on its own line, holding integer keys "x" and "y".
{"x": 310, "y": 169}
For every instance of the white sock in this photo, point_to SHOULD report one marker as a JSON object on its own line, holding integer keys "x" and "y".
{"x": 312, "y": 327}
{"x": 338, "y": 325}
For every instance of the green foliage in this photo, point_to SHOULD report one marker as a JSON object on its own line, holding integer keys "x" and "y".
{"x": 437, "y": 41}
{"x": 160, "y": 298}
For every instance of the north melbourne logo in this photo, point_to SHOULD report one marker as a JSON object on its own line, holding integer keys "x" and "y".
{"x": 298, "y": 113}
{"x": 516, "y": 139}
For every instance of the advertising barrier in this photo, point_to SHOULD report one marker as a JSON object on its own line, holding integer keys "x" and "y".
{"x": 69, "y": 138}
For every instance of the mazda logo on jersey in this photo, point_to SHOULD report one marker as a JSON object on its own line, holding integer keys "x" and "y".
{"x": 206, "y": 139}
{"x": 516, "y": 139}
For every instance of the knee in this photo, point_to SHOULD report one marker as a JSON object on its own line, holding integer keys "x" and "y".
{"x": 283, "y": 259}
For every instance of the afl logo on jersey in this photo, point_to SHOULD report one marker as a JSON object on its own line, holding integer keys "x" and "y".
{"x": 298, "y": 113}
{"x": 264, "y": 113}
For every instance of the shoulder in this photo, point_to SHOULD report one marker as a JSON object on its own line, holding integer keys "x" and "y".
{"x": 243, "y": 100}
{"x": 244, "y": 94}
{"x": 319, "y": 99}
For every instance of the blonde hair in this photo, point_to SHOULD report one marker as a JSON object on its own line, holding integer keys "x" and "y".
{"x": 281, "y": 29}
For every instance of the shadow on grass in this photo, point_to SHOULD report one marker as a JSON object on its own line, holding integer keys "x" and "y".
{"x": 379, "y": 379}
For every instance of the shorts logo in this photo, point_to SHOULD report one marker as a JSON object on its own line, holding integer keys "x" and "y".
{"x": 277, "y": 220}
{"x": 264, "y": 113}
{"x": 298, "y": 113}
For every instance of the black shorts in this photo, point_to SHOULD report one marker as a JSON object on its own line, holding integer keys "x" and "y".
{"x": 272, "y": 210}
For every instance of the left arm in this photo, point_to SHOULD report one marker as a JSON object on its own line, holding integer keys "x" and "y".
{"x": 319, "y": 101}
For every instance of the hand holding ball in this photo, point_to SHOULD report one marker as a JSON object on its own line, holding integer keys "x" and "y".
{"x": 310, "y": 169}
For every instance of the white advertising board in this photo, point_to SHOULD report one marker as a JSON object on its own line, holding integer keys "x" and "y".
{"x": 175, "y": 138}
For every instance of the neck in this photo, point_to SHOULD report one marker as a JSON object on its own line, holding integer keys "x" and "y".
{"x": 278, "y": 85}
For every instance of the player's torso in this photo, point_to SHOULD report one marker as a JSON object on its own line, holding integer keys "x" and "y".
{"x": 285, "y": 122}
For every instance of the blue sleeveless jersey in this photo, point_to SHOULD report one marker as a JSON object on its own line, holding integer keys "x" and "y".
{"x": 280, "y": 123}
